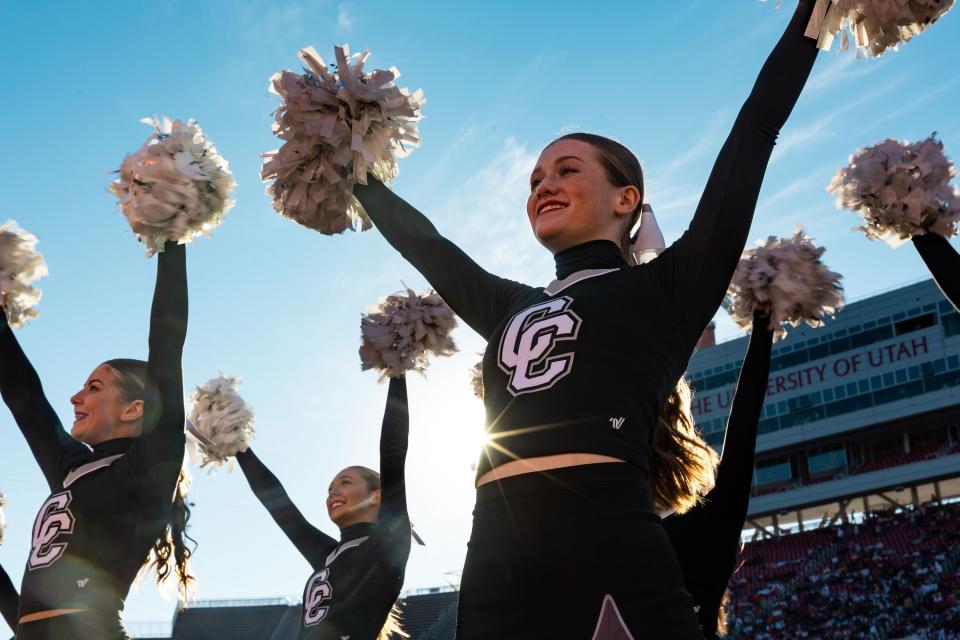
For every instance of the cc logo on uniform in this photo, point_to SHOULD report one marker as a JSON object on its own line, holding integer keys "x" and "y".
{"x": 529, "y": 341}
{"x": 54, "y": 518}
{"x": 318, "y": 591}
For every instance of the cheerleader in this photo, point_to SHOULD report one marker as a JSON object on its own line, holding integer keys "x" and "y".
{"x": 575, "y": 374}
{"x": 356, "y": 579}
{"x": 115, "y": 499}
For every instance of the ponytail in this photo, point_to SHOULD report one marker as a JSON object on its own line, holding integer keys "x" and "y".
{"x": 171, "y": 553}
{"x": 683, "y": 466}
{"x": 392, "y": 629}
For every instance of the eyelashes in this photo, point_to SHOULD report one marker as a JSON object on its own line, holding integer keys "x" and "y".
{"x": 561, "y": 171}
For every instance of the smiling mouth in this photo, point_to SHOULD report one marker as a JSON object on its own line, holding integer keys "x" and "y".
{"x": 79, "y": 415}
{"x": 336, "y": 504}
{"x": 549, "y": 207}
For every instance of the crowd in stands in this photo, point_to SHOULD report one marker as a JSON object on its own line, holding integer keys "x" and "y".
{"x": 895, "y": 575}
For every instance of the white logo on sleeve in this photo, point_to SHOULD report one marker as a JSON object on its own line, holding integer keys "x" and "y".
{"x": 318, "y": 591}
{"x": 529, "y": 341}
{"x": 82, "y": 583}
{"x": 54, "y": 518}
{"x": 616, "y": 423}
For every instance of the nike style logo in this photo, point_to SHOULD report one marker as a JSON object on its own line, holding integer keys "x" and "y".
{"x": 82, "y": 583}
{"x": 616, "y": 423}
{"x": 84, "y": 469}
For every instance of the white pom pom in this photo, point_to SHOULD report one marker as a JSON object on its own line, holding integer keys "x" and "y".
{"x": 400, "y": 333}
{"x": 222, "y": 420}
{"x": 900, "y": 190}
{"x": 476, "y": 379}
{"x": 337, "y": 126}
{"x": 3, "y": 521}
{"x": 786, "y": 276}
{"x": 20, "y": 266}
{"x": 874, "y": 25}
{"x": 175, "y": 187}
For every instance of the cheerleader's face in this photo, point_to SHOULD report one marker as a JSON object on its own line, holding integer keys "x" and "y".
{"x": 100, "y": 411}
{"x": 572, "y": 200}
{"x": 350, "y": 500}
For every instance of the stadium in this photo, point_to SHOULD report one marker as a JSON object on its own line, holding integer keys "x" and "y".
{"x": 854, "y": 524}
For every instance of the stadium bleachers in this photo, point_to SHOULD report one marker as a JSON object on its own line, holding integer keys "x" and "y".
{"x": 895, "y": 575}
{"x": 248, "y": 622}
{"x": 430, "y": 616}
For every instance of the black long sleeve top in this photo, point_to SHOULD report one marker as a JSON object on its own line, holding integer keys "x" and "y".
{"x": 356, "y": 579}
{"x": 584, "y": 364}
{"x": 9, "y": 600}
{"x": 943, "y": 261}
{"x": 107, "y": 506}
{"x": 706, "y": 539}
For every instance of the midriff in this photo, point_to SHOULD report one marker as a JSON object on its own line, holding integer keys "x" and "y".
{"x": 542, "y": 463}
{"x": 49, "y": 613}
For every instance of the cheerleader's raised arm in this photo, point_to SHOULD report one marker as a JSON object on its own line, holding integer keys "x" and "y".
{"x": 696, "y": 270}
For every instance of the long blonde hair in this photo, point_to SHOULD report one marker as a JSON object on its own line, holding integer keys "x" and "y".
{"x": 683, "y": 467}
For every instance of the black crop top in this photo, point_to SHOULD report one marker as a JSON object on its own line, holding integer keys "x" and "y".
{"x": 584, "y": 365}
{"x": 107, "y": 506}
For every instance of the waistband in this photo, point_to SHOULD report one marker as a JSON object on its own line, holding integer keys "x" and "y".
{"x": 573, "y": 480}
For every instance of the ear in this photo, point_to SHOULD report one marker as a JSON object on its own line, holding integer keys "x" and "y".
{"x": 375, "y": 498}
{"x": 628, "y": 201}
{"x": 132, "y": 412}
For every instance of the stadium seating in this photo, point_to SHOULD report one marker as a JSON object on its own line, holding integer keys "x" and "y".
{"x": 895, "y": 575}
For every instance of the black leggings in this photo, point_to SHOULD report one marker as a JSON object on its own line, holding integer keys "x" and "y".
{"x": 550, "y": 550}
{"x": 95, "y": 625}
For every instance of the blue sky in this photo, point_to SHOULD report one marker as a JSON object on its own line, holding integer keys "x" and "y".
{"x": 279, "y": 305}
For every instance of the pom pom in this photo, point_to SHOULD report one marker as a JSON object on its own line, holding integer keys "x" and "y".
{"x": 221, "y": 421}
{"x": 900, "y": 190}
{"x": 20, "y": 266}
{"x": 786, "y": 276}
{"x": 3, "y": 522}
{"x": 175, "y": 187}
{"x": 400, "y": 333}
{"x": 337, "y": 126}
{"x": 875, "y": 26}
{"x": 476, "y": 379}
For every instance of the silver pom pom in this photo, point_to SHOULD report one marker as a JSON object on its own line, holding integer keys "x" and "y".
{"x": 221, "y": 420}
{"x": 401, "y": 332}
{"x": 175, "y": 187}
{"x": 786, "y": 276}
{"x": 875, "y": 26}
{"x": 476, "y": 379}
{"x": 900, "y": 190}
{"x": 20, "y": 266}
{"x": 337, "y": 126}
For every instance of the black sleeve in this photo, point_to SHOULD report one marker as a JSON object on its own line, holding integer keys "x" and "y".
{"x": 23, "y": 393}
{"x": 480, "y": 298}
{"x": 696, "y": 270}
{"x": 943, "y": 261}
{"x": 394, "y": 521}
{"x": 309, "y": 541}
{"x": 159, "y": 450}
{"x": 707, "y": 538}
{"x": 9, "y": 600}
